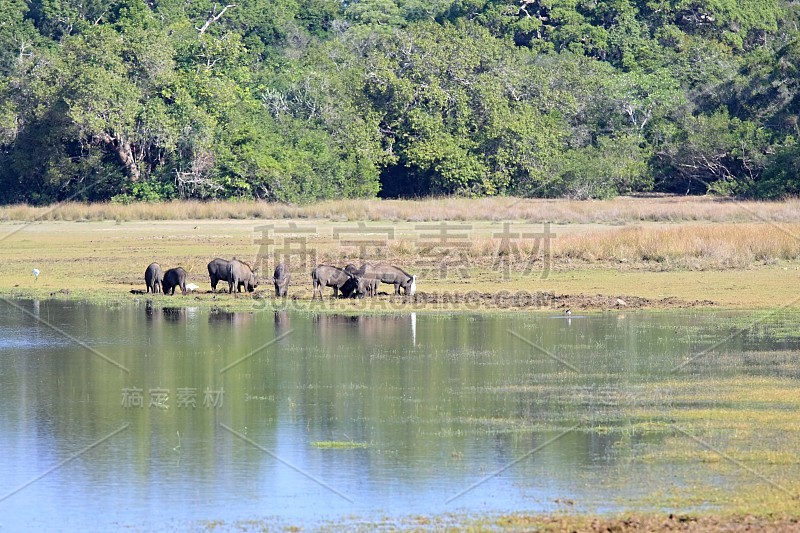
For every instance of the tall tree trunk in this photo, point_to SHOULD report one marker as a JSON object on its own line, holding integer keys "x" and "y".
{"x": 124, "y": 152}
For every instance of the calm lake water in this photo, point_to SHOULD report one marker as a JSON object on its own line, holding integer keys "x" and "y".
{"x": 180, "y": 418}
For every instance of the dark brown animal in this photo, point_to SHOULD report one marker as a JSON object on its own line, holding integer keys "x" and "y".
{"x": 359, "y": 287}
{"x": 153, "y": 278}
{"x": 281, "y": 279}
{"x": 217, "y": 271}
{"x": 351, "y": 288}
{"x": 328, "y": 276}
{"x": 174, "y": 277}
{"x": 368, "y": 280}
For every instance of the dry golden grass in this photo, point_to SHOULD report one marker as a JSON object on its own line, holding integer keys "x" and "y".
{"x": 618, "y": 210}
{"x": 686, "y": 246}
{"x": 689, "y": 245}
{"x": 734, "y": 254}
{"x": 109, "y": 258}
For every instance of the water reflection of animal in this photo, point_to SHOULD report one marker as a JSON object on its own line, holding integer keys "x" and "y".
{"x": 282, "y": 321}
{"x": 370, "y": 330}
{"x": 332, "y": 325}
{"x": 174, "y": 314}
{"x": 217, "y": 317}
{"x": 158, "y": 314}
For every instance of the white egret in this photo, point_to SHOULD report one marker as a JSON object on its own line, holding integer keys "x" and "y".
{"x": 35, "y": 274}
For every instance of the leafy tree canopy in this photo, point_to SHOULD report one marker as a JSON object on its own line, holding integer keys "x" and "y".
{"x": 301, "y": 100}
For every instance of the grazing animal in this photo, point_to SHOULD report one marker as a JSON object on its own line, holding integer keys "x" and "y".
{"x": 329, "y": 276}
{"x": 217, "y": 271}
{"x": 241, "y": 275}
{"x": 153, "y": 278}
{"x": 395, "y": 276}
{"x": 281, "y": 279}
{"x": 351, "y": 288}
{"x": 367, "y": 280}
{"x": 174, "y": 277}
{"x": 357, "y": 288}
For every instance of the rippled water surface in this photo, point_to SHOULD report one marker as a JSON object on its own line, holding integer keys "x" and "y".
{"x": 175, "y": 418}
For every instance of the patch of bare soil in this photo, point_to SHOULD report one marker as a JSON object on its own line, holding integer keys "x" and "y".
{"x": 550, "y": 300}
{"x": 651, "y": 523}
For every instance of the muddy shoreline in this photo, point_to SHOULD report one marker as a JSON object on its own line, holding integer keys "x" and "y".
{"x": 503, "y": 300}
{"x": 550, "y": 300}
{"x": 573, "y": 523}
{"x": 667, "y": 522}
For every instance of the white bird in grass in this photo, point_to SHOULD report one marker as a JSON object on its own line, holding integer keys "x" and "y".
{"x": 35, "y": 274}
{"x": 191, "y": 287}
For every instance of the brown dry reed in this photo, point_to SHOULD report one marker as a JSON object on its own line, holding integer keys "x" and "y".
{"x": 726, "y": 245}
{"x": 618, "y": 210}
{"x": 688, "y": 232}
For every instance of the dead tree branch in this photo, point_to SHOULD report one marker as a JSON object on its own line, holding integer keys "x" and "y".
{"x": 213, "y": 17}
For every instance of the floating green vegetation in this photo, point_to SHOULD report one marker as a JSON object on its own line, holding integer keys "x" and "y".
{"x": 339, "y": 445}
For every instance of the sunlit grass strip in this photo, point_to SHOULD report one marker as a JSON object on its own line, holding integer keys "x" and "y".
{"x": 618, "y": 210}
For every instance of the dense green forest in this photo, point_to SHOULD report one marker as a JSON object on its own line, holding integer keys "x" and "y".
{"x": 300, "y": 100}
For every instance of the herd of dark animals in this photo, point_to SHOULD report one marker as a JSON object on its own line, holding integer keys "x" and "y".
{"x": 355, "y": 282}
{"x": 350, "y": 281}
{"x": 159, "y": 281}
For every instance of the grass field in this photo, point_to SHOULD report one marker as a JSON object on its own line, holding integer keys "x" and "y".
{"x": 617, "y": 211}
{"x": 670, "y": 252}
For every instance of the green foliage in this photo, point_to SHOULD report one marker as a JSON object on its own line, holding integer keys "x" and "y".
{"x": 616, "y": 165}
{"x": 147, "y": 191}
{"x": 781, "y": 176}
{"x": 18, "y": 37}
{"x": 301, "y": 100}
{"x": 714, "y": 153}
